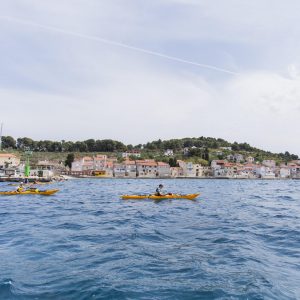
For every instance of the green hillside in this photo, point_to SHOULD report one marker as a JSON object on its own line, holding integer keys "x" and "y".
{"x": 201, "y": 149}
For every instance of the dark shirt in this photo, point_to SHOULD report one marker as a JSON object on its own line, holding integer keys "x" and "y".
{"x": 158, "y": 191}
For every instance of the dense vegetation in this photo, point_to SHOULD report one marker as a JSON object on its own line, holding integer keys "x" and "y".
{"x": 90, "y": 145}
{"x": 201, "y": 149}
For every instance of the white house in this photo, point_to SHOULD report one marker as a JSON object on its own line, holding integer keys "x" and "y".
{"x": 285, "y": 172}
{"x": 186, "y": 151}
{"x": 119, "y": 170}
{"x": 134, "y": 153}
{"x": 163, "y": 169}
{"x": 238, "y": 157}
{"x": 169, "y": 152}
{"x": 83, "y": 164}
{"x": 42, "y": 173}
{"x": 125, "y": 169}
{"x": 226, "y": 148}
{"x": 265, "y": 172}
{"x": 130, "y": 168}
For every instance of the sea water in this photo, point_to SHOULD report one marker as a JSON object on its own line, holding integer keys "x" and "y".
{"x": 239, "y": 240}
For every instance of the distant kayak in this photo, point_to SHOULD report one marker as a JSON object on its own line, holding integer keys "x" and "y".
{"x": 154, "y": 197}
{"x": 28, "y": 192}
{"x": 31, "y": 183}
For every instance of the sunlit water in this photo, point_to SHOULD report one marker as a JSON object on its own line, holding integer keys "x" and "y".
{"x": 238, "y": 240}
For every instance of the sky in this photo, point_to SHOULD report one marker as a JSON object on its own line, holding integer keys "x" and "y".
{"x": 136, "y": 71}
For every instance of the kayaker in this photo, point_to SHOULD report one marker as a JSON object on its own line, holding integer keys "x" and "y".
{"x": 32, "y": 187}
{"x": 158, "y": 191}
{"x": 20, "y": 188}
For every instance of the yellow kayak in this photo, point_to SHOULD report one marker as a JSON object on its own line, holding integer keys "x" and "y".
{"x": 28, "y": 192}
{"x": 154, "y": 197}
{"x": 31, "y": 183}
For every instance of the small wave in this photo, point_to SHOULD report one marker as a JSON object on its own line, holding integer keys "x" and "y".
{"x": 6, "y": 289}
{"x": 285, "y": 198}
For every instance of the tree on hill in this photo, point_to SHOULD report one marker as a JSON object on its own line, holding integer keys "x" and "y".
{"x": 173, "y": 162}
{"x": 8, "y": 142}
{"x": 70, "y": 158}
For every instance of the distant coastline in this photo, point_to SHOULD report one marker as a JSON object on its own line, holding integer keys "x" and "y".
{"x": 201, "y": 158}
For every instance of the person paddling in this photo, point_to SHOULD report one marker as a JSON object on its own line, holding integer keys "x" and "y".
{"x": 159, "y": 191}
{"x": 20, "y": 188}
{"x": 32, "y": 187}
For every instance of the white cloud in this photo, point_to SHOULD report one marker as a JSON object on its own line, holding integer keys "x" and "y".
{"x": 63, "y": 87}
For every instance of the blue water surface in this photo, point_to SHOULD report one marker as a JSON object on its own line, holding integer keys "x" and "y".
{"x": 239, "y": 240}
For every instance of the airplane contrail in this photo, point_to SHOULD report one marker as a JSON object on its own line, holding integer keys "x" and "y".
{"x": 118, "y": 44}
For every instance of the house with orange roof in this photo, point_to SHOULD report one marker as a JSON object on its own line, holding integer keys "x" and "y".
{"x": 146, "y": 168}
{"x": 85, "y": 163}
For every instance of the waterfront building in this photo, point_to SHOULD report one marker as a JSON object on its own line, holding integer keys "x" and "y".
{"x": 83, "y": 164}
{"x": 285, "y": 172}
{"x": 187, "y": 167}
{"x": 200, "y": 171}
{"x": 119, "y": 170}
{"x": 163, "y": 169}
{"x": 295, "y": 170}
{"x": 100, "y": 162}
{"x": 146, "y": 168}
{"x": 265, "y": 172}
{"x": 130, "y": 166}
{"x": 42, "y": 173}
{"x": 55, "y": 166}
{"x": 176, "y": 172}
{"x": 230, "y": 170}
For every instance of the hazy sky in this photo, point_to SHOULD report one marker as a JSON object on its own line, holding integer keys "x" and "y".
{"x": 66, "y": 71}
